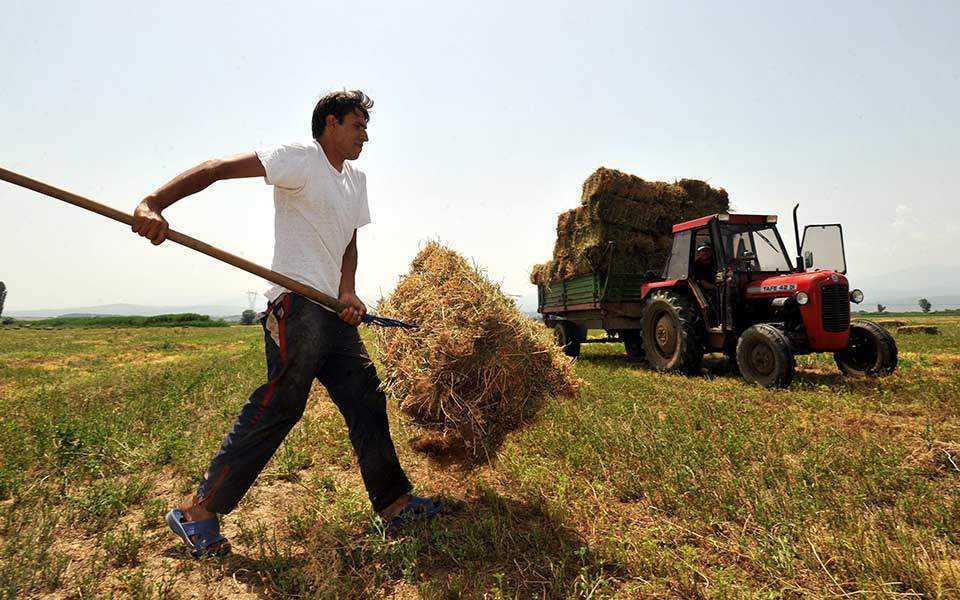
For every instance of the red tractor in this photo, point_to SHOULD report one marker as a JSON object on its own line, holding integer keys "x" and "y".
{"x": 728, "y": 286}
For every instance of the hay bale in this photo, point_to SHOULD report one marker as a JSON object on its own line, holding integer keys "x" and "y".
{"x": 676, "y": 198}
{"x": 610, "y": 182}
{"x": 540, "y": 274}
{"x": 586, "y": 244}
{"x": 891, "y": 323}
{"x": 624, "y": 225}
{"x": 477, "y": 368}
{"x": 928, "y": 329}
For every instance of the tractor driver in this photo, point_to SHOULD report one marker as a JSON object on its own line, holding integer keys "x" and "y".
{"x": 703, "y": 268}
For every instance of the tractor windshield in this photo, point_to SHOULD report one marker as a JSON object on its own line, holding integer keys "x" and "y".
{"x": 754, "y": 247}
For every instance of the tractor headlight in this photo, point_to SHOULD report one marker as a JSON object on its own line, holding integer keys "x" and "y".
{"x": 802, "y": 298}
{"x": 856, "y": 296}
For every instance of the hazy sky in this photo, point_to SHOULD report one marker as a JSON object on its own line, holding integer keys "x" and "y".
{"x": 488, "y": 118}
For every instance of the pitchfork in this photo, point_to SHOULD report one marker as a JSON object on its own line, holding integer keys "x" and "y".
{"x": 195, "y": 244}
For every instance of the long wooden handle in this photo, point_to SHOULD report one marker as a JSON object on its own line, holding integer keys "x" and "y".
{"x": 176, "y": 236}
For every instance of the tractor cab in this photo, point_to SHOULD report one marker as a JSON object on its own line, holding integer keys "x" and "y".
{"x": 744, "y": 243}
{"x": 721, "y": 258}
{"x": 752, "y": 244}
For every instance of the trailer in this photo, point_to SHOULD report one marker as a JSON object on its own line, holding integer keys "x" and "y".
{"x": 613, "y": 303}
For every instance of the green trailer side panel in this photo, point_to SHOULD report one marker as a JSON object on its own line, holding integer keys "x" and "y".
{"x": 623, "y": 288}
{"x": 595, "y": 287}
{"x": 582, "y": 290}
{"x": 553, "y": 294}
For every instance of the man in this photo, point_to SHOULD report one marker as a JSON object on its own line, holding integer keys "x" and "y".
{"x": 705, "y": 273}
{"x": 703, "y": 269}
{"x": 321, "y": 201}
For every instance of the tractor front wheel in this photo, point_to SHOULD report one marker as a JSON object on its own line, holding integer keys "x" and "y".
{"x": 765, "y": 356}
{"x": 670, "y": 326}
{"x": 871, "y": 351}
{"x": 568, "y": 337}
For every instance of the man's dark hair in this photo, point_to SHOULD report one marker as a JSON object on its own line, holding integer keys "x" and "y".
{"x": 339, "y": 104}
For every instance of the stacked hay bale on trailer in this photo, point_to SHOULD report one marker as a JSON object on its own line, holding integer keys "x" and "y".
{"x": 619, "y": 237}
{"x": 622, "y": 225}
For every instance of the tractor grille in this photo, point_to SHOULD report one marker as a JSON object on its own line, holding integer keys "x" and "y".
{"x": 836, "y": 307}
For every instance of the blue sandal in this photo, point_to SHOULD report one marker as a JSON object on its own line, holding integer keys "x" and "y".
{"x": 209, "y": 542}
{"x": 418, "y": 509}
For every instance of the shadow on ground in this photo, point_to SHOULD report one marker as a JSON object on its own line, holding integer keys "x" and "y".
{"x": 715, "y": 365}
{"x": 485, "y": 544}
{"x": 836, "y": 380}
{"x": 612, "y": 360}
{"x": 712, "y": 364}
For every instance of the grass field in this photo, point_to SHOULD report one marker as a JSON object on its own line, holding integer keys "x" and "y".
{"x": 645, "y": 485}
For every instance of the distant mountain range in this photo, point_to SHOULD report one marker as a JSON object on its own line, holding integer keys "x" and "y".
{"x": 126, "y": 310}
{"x": 899, "y": 290}
{"x": 909, "y": 303}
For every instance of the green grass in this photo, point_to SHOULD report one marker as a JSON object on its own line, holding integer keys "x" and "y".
{"x": 645, "y": 485}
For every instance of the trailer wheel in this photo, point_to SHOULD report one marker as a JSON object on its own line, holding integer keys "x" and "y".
{"x": 633, "y": 342}
{"x": 669, "y": 327}
{"x": 871, "y": 351}
{"x": 765, "y": 356}
{"x": 568, "y": 337}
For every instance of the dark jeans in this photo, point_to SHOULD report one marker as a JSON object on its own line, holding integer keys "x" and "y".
{"x": 312, "y": 342}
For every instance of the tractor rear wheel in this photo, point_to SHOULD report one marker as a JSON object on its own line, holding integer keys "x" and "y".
{"x": 765, "y": 356}
{"x": 633, "y": 342}
{"x": 670, "y": 327}
{"x": 568, "y": 337}
{"x": 871, "y": 351}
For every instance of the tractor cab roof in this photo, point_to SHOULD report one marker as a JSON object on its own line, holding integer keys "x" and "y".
{"x": 726, "y": 218}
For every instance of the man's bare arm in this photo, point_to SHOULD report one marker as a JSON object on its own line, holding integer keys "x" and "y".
{"x": 348, "y": 278}
{"x": 147, "y": 218}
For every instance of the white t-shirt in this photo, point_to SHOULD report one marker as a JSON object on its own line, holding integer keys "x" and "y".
{"x": 317, "y": 211}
